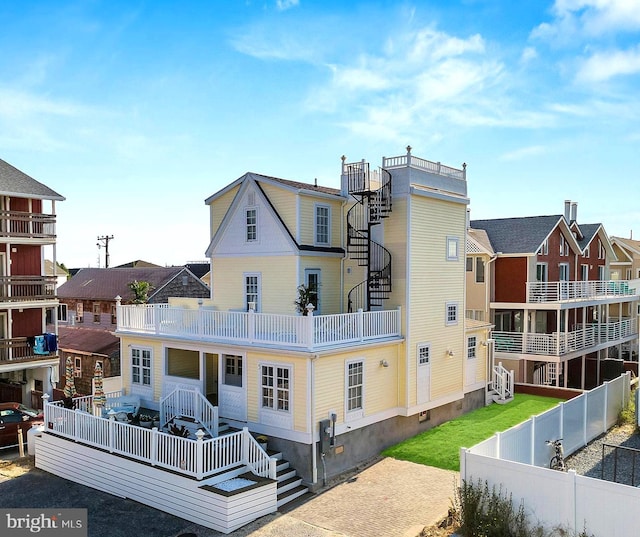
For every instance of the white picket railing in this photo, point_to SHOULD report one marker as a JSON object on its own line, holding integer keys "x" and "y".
{"x": 557, "y": 344}
{"x": 308, "y": 332}
{"x": 196, "y": 458}
{"x": 577, "y": 290}
{"x": 181, "y": 403}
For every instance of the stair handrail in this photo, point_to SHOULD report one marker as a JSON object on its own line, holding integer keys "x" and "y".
{"x": 191, "y": 404}
{"x": 503, "y": 381}
{"x": 256, "y": 458}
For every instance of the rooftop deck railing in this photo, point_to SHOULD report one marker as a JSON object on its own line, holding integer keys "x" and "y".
{"x": 559, "y": 344}
{"x": 27, "y": 225}
{"x": 21, "y": 288}
{"x": 304, "y": 332}
{"x": 572, "y": 290}
{"x": 196, "y": 458}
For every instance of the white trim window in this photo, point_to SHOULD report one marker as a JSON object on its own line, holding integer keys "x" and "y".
{"x": 451, "y": 313}
{"x": 251, "y": 221}
{"x": 62, "y": 312}
{"x": 323, "y": 224}
{"x": 275, "y": 384}
{"x": 479, "y": 270}
{"x": 584, "y": 273}
{"x": 541, "y": 272}
{"x": 452, "y": 248}
{"x": 252, "y": 291}
{"x": 564, "y": 246}
{"x": 564, "y": 272}
{"x": 587, "y": 251}
{"x": 472, "y": 345}
{"x": 602, "y": 273}
{"x": 544, "y": 249}
{"x": 354, "y": 387}
{"x": 469, "y": 267}
{"x": 77, "y": 367}
{"x": 141, "y": 366}
{"x": 602, "y": 254}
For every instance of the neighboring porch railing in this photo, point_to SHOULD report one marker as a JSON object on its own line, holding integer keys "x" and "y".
{"x": 17, "y": 349}
{"x": 305, "y": 332}
{"x": 503, "y": 382}
{"x": 20, "y": 288}
{"x": 189, "y": 404}
{"x": 558, "y": 344}
{"x": 30, "y": 225}
{"x": 572, "y": 290}
{"x": 196, "y": 458}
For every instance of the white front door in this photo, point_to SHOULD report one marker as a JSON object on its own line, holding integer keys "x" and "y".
{"x": 472, "y": 361}
{"x": 232, "y": 402}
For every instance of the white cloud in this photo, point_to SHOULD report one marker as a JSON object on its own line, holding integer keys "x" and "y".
{"x": 524, "y": 153}
{"x": 602, "y": 66}
{"x": 577, "y": 19}
{"x": 283, "y": 5}
{"x": 15, "y": 104}
{"x": 528, "y": 54}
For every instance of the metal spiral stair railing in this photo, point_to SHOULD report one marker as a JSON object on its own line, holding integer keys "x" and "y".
{"x": 370, "y": 208}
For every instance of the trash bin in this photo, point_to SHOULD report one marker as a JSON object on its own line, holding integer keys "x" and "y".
{"x": 36, "y": 430}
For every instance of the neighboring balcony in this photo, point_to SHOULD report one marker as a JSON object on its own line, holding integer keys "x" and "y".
{"x": 587, "y": 338}
{"x": 19, "y": 350}
{"x": 27, "y": 288}
{"x": 282, "y": 331}
{"x": 16, "y": 224}
{"x": 577, "y": 290}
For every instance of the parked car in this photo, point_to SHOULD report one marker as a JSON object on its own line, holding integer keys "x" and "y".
{"x": 14, "y": 416}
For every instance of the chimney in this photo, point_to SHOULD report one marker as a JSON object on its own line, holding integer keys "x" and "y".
{"x": 567, "y": 209}
{"x": 574, "y": 211}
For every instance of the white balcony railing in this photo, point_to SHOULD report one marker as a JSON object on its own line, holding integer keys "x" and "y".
{"x": 310, "y": 332}
{"x": 558, "y": 344}
{"x": 571, "y": 290}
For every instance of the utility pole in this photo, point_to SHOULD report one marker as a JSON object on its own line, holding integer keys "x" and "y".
{"x": 103, "y": 242}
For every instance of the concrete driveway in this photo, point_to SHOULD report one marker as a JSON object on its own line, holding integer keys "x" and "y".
{"x": 389, "y": 498}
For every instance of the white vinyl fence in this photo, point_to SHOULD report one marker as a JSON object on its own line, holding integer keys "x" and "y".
{"x": 517, "y": 460}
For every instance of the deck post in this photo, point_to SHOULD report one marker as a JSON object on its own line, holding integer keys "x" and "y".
{"x": 153, "y": 451}
{"x": 360, "y": 334}
{"x": 199, "y": 454}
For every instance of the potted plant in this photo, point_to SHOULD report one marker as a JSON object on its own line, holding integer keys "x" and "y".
{"x": 262, "y": 440}
{"x": 156, "y": 421}
{"x": 145, "y": 421}
{"x": 306, "y": 295}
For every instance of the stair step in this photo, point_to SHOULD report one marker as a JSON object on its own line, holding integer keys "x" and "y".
{"x": 288, "y": 484}
{"x": 284, "y": 475}
{"x": 291, "y": 495}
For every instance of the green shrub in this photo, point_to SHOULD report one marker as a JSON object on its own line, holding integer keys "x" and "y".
{"x": 482, "y": 512}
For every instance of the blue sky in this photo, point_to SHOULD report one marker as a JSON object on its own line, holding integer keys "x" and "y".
{"x": 136, "y": 111}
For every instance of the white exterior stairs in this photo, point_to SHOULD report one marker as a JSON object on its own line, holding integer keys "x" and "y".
{"x": 290, "y": 485}
{"x": 501, "y": 387}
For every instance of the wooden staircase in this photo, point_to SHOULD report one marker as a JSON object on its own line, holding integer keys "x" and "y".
{"x": 290, "y": 485}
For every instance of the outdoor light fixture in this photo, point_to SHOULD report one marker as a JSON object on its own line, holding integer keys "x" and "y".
{"x": 384, "y": 363}
{"x": 450, "y": 352}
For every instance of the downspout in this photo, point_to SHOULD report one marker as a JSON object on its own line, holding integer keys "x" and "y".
{"x": 490, "y": 349}
{"x": 314, "y": 456}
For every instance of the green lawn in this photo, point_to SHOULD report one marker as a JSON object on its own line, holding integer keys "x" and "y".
{"x": 440, "y": 446}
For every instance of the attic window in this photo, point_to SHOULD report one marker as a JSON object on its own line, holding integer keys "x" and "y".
{"x": 252, "y": 224}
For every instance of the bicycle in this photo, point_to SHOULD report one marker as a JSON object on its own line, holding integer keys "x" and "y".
{"x": 557, "y": 461}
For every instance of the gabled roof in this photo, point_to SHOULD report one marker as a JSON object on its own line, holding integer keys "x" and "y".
{"x": 589, "y": 231}
{"x": 50, "y": 270}
{"x": 137, "y": 263}
{"x": 522, "y": 235}
{"x": 295, "y": 186}
{"x": 89, "y": 340}
{"x": 628, "y": 244}
{"x": 13, "y": 182}
{"x": 478, "y": 242}
{"x": 107, "y": 283}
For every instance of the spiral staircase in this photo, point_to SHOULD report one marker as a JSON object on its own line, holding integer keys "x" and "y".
{"x": 372, "y": 192}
